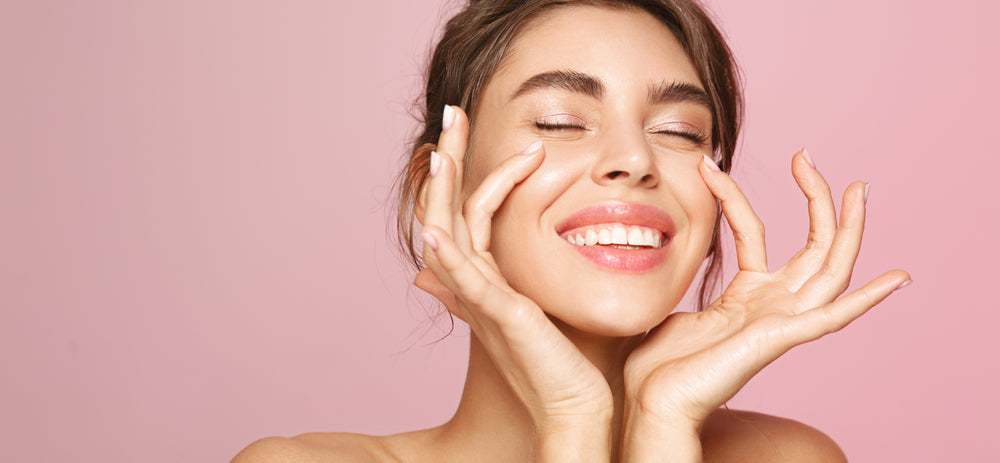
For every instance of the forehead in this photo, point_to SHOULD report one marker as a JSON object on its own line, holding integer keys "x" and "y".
{"x": 627, "y": 49}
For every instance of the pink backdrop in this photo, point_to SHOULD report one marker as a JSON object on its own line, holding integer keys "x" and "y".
{"x": 192, "y": 249}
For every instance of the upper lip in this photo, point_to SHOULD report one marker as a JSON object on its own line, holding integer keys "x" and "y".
{"x": 625, "y": 213}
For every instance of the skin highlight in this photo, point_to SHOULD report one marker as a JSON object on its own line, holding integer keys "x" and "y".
{"x": 561, "y": 365}
{"x": 618, "y": 133}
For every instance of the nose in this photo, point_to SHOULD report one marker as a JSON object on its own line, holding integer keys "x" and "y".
{"x": 626, "y": 161}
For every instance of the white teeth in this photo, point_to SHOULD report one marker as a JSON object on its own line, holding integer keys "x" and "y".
{"x": 635, "y": 237}
{"x": 616, "y": 234}
{"x": 604, "y": 236}
{"x": 619, "y": 235}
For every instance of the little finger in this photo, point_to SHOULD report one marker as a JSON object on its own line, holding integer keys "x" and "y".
{"x": 456, "y": 270}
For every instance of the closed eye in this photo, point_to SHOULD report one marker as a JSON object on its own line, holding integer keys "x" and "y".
{"x": 694, "y": 136}
{"x": 697, "y": 137}
{"x": 557, "y": 127}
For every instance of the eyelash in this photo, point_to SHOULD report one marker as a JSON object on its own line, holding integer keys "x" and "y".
{"x": 548, "y": 126}
{"x": 697, "y": 137}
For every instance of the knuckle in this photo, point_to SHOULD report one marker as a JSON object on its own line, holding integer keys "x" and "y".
{"x": 823, "y": 191}
{"x": 469, "y": 207}
{"x": 833, "y": 279}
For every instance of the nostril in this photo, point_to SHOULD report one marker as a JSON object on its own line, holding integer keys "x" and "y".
{"x": 646, "y": 178}
{"x": 615, "y": 174}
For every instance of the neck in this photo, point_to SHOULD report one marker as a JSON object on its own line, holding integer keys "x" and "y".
{"x": 490, "y": 419}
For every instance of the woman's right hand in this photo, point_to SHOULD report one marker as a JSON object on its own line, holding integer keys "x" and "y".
{"x": 561, "y": 389}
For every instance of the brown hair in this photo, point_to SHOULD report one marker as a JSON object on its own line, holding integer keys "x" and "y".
{"x": 476, "y": 40}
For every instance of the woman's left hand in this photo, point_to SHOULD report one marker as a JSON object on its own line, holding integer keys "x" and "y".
{"x": 694, "y": 362}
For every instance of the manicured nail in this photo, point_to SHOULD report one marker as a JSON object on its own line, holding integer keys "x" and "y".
{"x": 904, "y": 284}
{"x": 435, "y": 163}
{"x": 809, "y": 159}
{"x": 710, "y": 163}
{"x": 429, "y": 240}
{"x": 868, "y": 186}
{"x": 448, "y": 118}
{"x": 532, "y": 147}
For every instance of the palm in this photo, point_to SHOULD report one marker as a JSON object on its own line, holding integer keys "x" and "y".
{"x": 544, "y": 369}
{"x": 694, "y": 362}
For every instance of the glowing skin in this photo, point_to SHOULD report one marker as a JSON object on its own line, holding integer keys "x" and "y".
{"x": 610, "y": 147}
{"x": 623, "y": 161}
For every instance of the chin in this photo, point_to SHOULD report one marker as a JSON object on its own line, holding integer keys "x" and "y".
{"x": 622, "y": 317}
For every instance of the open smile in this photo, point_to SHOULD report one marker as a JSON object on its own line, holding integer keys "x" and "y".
{"x": 617, "y": 235}
{"x": 620, "y": 236}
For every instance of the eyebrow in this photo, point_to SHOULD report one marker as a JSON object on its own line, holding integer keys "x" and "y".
{"x": 577, "y": 82}
{"x": 563, "y": 80}
{"x": 679, "y": 92}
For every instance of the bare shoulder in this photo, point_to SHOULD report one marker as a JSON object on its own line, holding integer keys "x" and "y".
{"x": 317, "y": 447}
{"x": 734, "y": 435}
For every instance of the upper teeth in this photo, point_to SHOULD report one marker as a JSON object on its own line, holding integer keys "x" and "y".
{"x": 615, "y": 234}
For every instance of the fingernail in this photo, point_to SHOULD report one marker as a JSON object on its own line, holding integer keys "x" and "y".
{"x": 532, "y": 147}
{"x": 710, "y": 163}
{"x": 809, "y": 159}
{"x": 904, "y": 284}
{"x": 868, "y": 186}
{"x": 448, "y": 118}
{"x": 435, "y": 163}
{"x": 429, "y": 240}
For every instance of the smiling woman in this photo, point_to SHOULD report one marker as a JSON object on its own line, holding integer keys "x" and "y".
{"x": 569, "y": 181}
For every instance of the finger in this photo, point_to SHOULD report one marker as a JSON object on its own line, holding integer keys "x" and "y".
{"x": 429, "y": 282}
{"x": 483, "y": 303}
{"x": 822, "y": 221}
{"x": 822, "y": 215}
{"x": 748, "y": 230}
{"x": 452, "y": 144}
{"x": 438, "y": 209}
{"x": 454, "y": 269}
{"x": 491, "y": 193}
{"x": 815, "y": 323}
{"x": 834, "y": 276}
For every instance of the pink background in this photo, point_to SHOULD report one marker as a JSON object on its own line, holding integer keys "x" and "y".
{"x": 193, "y": 201}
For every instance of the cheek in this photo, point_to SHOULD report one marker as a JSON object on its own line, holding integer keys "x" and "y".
{"x": 696, "y": 200}
{"x": 524, "y": 208}
{"x": 521, "y": 231}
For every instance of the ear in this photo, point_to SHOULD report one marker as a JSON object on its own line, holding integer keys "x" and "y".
{"x": 420, "y": 166}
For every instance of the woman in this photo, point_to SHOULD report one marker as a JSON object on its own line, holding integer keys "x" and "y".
{"x": 566, "y": 211}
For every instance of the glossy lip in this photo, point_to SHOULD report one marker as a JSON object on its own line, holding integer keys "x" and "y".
{"x": 609, "y": 212}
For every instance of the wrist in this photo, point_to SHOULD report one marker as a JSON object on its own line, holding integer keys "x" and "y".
{"x": 577, "y": 439}
{"x": 649, "y": 437}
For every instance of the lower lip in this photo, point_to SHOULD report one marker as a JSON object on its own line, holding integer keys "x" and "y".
{"x": 624, "y": 260}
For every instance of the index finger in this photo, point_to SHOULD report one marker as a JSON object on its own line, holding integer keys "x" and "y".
{"x": 748, "y": 230}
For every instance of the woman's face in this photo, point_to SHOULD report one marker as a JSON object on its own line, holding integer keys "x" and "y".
{"x": 625, "y": 122}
